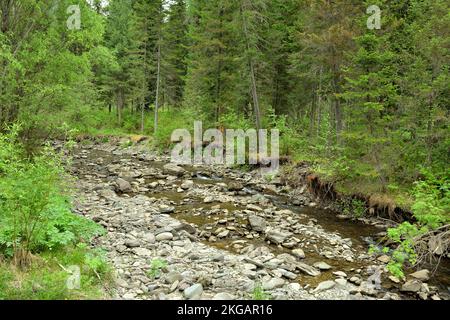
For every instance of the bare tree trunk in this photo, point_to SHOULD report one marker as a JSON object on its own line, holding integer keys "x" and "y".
{"x": 219, "y": 73}
{"x": 120, "y": 98}
{"x": 143, "y": 87}
{"x": 252, "y": 74}
{"x": 158, "y": 76}
{"x": 319, "y": 103}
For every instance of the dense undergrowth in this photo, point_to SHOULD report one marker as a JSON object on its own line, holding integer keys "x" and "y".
{"x": 40, "y": 237}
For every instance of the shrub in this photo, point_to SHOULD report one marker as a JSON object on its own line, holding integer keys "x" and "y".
{"x": 35, "y": 204}
{"x": 431, "y": 211}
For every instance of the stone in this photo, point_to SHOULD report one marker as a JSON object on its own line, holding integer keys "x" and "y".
{"x": 277, "y": 237}
{"x": 223, "y": 234}
{"x": 193, "y": 292}
{"x": 173, "y": 276}
{"x": 394, "y": 279}
{"x": 108, "y": 194}
{"x": 355, "y": 280}
{"x": 324, "y": 286}
{"x": 384, "y": 259}
{"x": 149, "y": 237}
{"x": 257, "y": 223}
{"x": 367, "y": 288}
{"x": 142, "y": 252}
{"x": 298, "y": 253}
{"x": 173, "y": 169}
{"x": 341, "y": 282}
{"x": 123, "y": 185}
{"x": 224, "y": 296}
{"x": 186, "y": 185}
{"x": 186, "y": 227}
{"x": 412, "y": 286}
{"x": 235, "y": 186}
{"x": 121, "y": 283}
{"x": 166, "y": 209}
{"x": 254, "y": 207}
{"x": 218, "y": 258}
{"x": 294, "y": 286}
{"x": 322, "y": 266}
{"x": 132, "y": 243}
{"x": 273, "y": 283}
{"x": 128, "y": 296}
{"x": 308, "y": 269}
{"x": 287, "y": 274}
{"x": 340, "y": 274}
{"x": 422, "y": 275}
{"x": 164, "y": 236}
{"x": 208, "y": 200}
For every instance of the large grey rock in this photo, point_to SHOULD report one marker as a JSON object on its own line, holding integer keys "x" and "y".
{"x": 173, "y": 169}
{"x": 166, "y": 209}
{"x": 412, "y": 286}
{"x": 298, "y": 253}
{"x": 132, "y": 243}
{"x": 123, "y": 185}
{"x": 186, "y": 185}
{"x": 277, "y": 237}
{"x": 257, "y": 223}
{"x": 307, "y": 269}
{"x": 193, "y": 292}
{"x": 173, "y": 276}
{"x": 273, "y": 284}
{"x": 323, "y": 286}
{"x": 186, "y": 227}
{"x": 235, "y": 186}
{"x": 322, "y": 266}
{"x": 164, "y": 236}
{"x": 422, "y": 275}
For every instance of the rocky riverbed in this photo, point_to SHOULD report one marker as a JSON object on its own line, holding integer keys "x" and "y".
{"x": 217, "y": 233}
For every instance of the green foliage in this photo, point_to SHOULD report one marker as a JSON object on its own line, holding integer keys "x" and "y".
{"x": 46, "y": 278}
{"x": 156, "y": 266}
{"x": 35, "y": 207}
{"x": 259, "y": 293}
{"x": 353, "y": 207}
{"x": 431, "y": 210}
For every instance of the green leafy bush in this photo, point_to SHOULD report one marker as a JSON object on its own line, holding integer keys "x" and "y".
{"x": 431, "y": 211}
{"x": 35, "y": 204}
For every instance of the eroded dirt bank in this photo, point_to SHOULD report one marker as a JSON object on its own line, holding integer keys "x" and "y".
{"x": 224, "y": 233}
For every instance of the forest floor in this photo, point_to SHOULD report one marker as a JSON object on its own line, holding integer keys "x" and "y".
{"x": 204, "y": 232}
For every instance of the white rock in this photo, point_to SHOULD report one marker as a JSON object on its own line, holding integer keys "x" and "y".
{"x": 223, "y": 296}
{"x": 299, "y": 253}
{"x": 273, "y": 284}
{"x": 323, "y": 286}
{"x": 193, "y": 292}
{"x": 164, "y": 236}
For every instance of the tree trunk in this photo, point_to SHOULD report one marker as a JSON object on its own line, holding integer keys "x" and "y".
{"x": 252, "y": 74}
{"x": 158, "y": 76}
